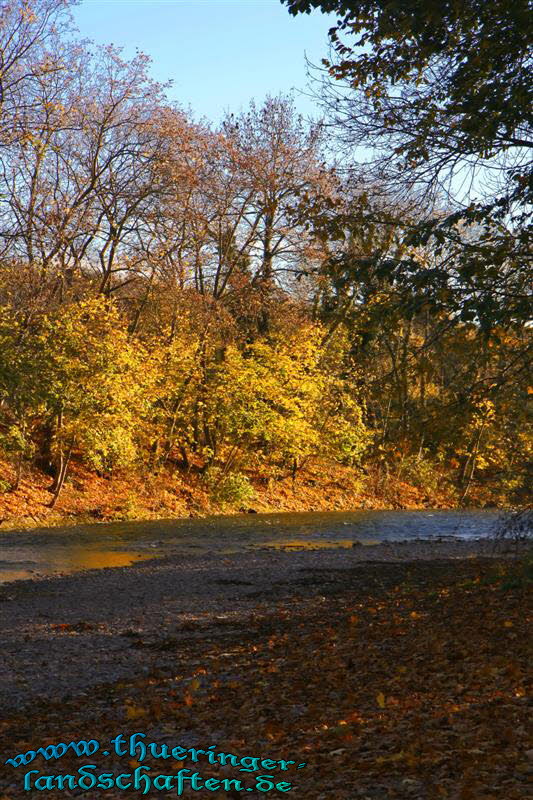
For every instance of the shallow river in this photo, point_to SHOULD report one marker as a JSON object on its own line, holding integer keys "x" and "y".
{"x": 28, "y": 554}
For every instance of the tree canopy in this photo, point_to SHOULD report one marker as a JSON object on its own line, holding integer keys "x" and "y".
{"x": 439, "y": 96}
{"x": 461, "y": 72}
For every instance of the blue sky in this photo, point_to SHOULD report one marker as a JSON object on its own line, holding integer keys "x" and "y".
{"x": 219, "y": 53}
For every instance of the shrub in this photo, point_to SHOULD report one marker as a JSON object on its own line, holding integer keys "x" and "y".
{"x": 231, "y": 489}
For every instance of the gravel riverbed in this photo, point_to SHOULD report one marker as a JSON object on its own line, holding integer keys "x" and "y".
{"x": 62, "y": 635}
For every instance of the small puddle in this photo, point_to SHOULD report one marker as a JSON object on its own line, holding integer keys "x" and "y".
{"x": 74, "y": 559}
{"x": 314, "y": 544}
{"x": 83, "y": 558}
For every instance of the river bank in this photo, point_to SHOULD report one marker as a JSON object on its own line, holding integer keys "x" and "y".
{"x": 395, "y": 672}
{"x": 65, "y": 634}
{"x": 88, "y": 497}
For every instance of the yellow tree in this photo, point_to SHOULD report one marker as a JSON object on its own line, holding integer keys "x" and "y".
{"x": 94, "y": 384}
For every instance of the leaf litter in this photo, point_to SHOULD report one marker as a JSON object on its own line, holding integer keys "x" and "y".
{"x": 410, "y": 683}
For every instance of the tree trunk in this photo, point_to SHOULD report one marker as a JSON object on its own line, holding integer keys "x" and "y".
{"x": 18, "y": 471}
{"x": 62, "y": 475}
{"x": 473, "y": 465}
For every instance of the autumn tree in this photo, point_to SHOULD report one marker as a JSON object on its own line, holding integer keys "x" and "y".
{"x": 279, "y": 159}
{"x": 22, "y": 401}
{"x": 229, "y": 225}
{"x": 80, "y": 180}
{"x": 93, "y": 387}
{"x": 28, "y": 29}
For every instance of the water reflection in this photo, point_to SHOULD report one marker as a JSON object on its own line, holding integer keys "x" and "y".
{"x": 314, "y": 544}
{"x": 64, "y": 560}
{"x": 88, "y": 558}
